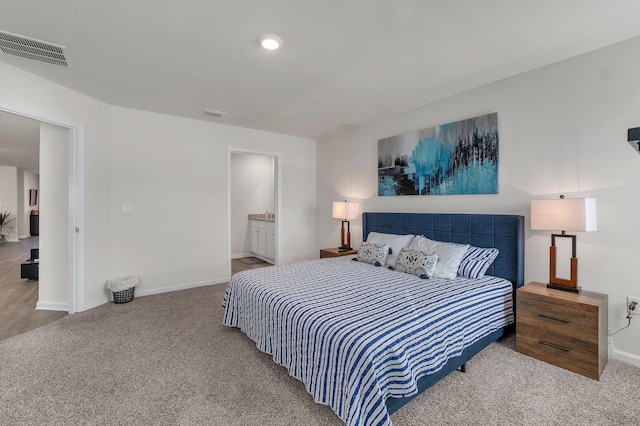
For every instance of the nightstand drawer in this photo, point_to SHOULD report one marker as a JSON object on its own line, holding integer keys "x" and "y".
{"x": 557, "y": 339}
{"x": 574, "y": 323}
{"x": 570, "y": 355}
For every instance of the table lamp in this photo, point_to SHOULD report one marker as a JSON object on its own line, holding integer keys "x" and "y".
{"x": 574, "y": 214}
{"x": 346, "y": 212}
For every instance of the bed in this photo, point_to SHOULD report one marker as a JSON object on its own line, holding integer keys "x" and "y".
{"x": 365, "y": 340}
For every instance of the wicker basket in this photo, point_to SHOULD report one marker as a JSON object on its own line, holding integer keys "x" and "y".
{"x": 124, "y": 296}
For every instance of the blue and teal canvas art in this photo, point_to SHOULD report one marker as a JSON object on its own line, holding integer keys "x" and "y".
{"x": 454, "y": 158}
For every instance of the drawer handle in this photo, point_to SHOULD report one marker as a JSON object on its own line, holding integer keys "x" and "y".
{"x": 552, "y": 318}
{"x": 553, "y": 346}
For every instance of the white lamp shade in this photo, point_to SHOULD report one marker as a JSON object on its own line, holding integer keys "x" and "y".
{"x": 573, "y": 214}
{"x": 345, "y": 211}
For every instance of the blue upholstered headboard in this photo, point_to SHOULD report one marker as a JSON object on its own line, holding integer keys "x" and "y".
{"x": 504, "y": 232}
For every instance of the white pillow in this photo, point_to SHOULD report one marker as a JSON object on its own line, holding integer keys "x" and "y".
{"x": 396, "y": 243}
{"x": 449, "y": 255}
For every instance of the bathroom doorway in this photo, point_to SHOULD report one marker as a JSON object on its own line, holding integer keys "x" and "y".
{"x": 252, "y": 209}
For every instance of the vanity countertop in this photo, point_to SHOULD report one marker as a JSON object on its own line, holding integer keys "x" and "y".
{"x": 263, "y": 217}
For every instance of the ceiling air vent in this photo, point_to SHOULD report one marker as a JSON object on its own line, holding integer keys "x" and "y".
{"x": 214, "y": 113}
{"x": 30, "y": 48}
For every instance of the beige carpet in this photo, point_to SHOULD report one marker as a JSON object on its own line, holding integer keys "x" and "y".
{"x": 166, "y": 359}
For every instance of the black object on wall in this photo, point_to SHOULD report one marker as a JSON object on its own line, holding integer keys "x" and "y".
{"x": 633, "y": 134}
{"x": 633, "y": 137}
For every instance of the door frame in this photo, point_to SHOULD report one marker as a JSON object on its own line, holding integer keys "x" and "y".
{"x": 75, "y": 297}
{"x": 276, "y": 190}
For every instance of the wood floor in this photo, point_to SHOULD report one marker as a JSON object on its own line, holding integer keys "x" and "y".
{"x": 245, "y": 263}
{"x": 18, "y": 297}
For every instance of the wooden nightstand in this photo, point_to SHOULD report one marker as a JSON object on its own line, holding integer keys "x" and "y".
{"x": 333, "y": 252}
{"x": 565, "y": 329}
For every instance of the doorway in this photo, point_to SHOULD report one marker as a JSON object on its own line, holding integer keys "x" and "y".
{"x": 65, "y": 269}
{"x": 252, "y": 208}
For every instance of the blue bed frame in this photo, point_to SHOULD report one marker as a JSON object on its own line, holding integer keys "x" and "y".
{"x": 504, "y": 232}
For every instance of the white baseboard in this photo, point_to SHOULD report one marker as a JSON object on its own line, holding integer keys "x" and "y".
{"x": 95, "y": 304}
{"x": 180, "y": 287}
{"x": 627, "y": 357}
{"x": 238, "y": 256}
{"x": 150, "y": 292}
{"x": 51, "y": 306}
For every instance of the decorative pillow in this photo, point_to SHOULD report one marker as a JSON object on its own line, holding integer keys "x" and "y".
{"x": 476, "y": 261}
{"x": 449, "y": 255}
{"x": 395, "y": 242}
{"x": 416, "y": 262}
{"x": 375, "y": 254}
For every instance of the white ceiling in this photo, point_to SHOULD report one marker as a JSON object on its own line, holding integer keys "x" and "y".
{"x": 342, "y": 63}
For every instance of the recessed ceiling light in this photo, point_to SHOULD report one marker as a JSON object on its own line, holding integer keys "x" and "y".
{"x": 270, "y": 41}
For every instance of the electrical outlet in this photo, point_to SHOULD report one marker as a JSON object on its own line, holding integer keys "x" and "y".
{"x": 630, "y": 300}
{"x": 172, "y": 258}
{"x": 196, "y": 257}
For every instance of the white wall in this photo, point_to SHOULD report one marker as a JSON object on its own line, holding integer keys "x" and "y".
{"x": 9, "y": 196}
{"x": 252, "y": 191}
{"x": 20, "y": 230}
{"x": 33, "y": 96}
{"x": 174, "y": 170}
{"x": 53, "y": 273}
{"x": 562, "y": 130}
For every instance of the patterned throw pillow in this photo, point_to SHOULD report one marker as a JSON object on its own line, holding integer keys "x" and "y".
{"x": 476, "y": 261}
{"x": 375, "y": 254}
{"x": 416, "y": 262}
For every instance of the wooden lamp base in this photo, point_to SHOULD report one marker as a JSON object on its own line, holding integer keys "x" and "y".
{"x": 560, "y": 283}
{"x": 345, "y": 237}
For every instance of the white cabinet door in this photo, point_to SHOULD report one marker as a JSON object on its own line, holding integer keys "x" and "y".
{"x": 253, "y": 235}
{"x": 271, "y": 241}
{"x": 262, "y": 238}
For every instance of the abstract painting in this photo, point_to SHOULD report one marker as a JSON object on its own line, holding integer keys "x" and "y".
{"x": 454, "y": 158}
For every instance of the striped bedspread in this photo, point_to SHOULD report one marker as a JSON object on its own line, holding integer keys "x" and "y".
{"x": 356, "y": 334}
